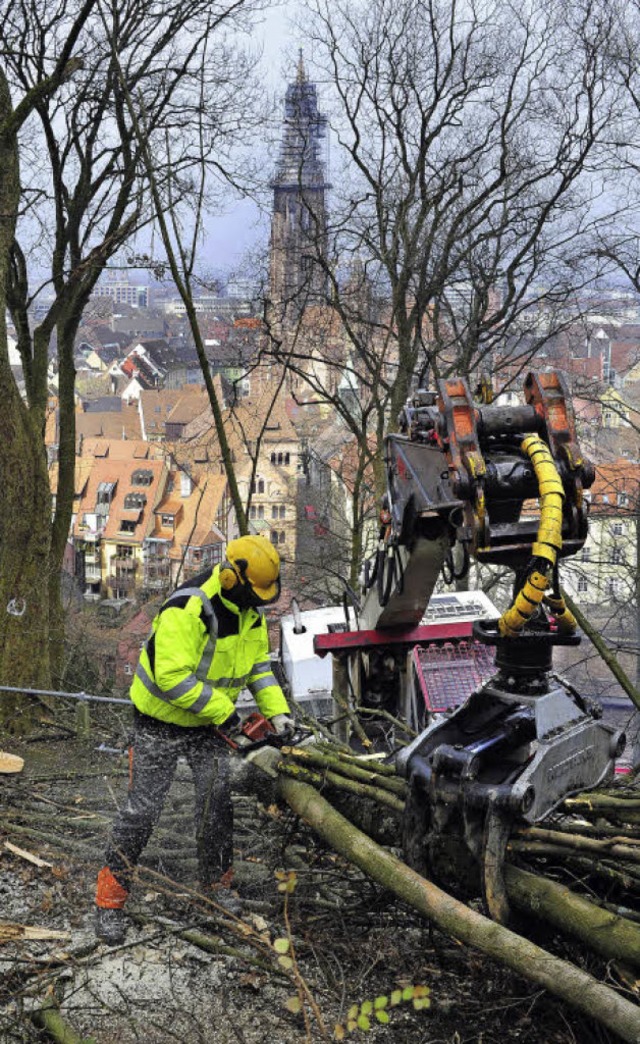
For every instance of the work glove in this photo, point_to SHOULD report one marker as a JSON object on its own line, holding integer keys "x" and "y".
{"x": 284, "y": 725}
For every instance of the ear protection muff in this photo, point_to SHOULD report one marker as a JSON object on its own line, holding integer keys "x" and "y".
{"x": 228, "y": 576}
{"x": 232, "y": 574}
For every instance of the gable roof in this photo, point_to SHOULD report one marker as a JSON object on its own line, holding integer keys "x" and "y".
{"x": 157, "y": 405}
{"x": 118, "y": 476}
{"x": 615, "y": 481}
{"x": 110, "y": 425}
{"x": 194, "y": 515}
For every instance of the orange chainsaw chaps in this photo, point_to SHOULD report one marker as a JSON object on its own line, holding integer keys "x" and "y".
{"x": 110, "y": 895}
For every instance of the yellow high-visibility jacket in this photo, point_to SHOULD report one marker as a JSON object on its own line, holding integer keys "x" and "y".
{"x": 202, "y": 652}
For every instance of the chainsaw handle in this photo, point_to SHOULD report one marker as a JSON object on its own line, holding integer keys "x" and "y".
{"x": 248, "y": 732}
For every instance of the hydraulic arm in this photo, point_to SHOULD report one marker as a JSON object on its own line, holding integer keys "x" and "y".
{"x": 459, "y": 476}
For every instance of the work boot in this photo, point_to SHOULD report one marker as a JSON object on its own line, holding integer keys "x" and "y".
{"x": 110, "y": 925}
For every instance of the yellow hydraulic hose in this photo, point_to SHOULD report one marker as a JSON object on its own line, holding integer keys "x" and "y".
{"x": 546, "y": 546}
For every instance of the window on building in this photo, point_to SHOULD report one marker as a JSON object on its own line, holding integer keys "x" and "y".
{"x": 612, "y": 586}
{"x": 167, "y": 521}
{"x": 127, "y": 525}
{"x": 258, "y": 486}
{"x": 623, "y": 500}
{"x": 586, "y": 554}
{"x": 282, "y": 536}
{"x": 274, "y": 536}
{"x": 287, "y": 458}
{"x": 605, "y": 498}
{"x": 105, "y": 492}
{"x": 274, "y": 511}
{"x": 273, "y": 458}
{"x": 582, "y": 584}
{"x": 618, "y": 528}
{"x": 283, "y": 511}
{"x": 617, "y": 556}
{"x": 132, "y": 501}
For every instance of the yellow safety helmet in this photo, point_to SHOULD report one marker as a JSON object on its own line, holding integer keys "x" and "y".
{"x": 252, "y": 560}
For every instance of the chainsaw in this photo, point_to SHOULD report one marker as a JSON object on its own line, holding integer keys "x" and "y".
{"x": 256, "y": 731}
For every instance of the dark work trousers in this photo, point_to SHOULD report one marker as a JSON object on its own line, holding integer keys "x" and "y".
{"x": 156, "y": 747}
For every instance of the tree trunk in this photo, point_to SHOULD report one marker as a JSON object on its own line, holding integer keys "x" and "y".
{"x": 532, "y": 962}
{"x": 25, "y": 505}
{"x": 67, "y": 329}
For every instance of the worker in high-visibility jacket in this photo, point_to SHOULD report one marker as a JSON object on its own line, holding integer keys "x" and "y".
{"x": 208, "y": 642}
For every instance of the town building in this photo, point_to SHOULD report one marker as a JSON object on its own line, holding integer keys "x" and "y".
{"x": 121, "y": 290}
{"x": 605, "y": 573}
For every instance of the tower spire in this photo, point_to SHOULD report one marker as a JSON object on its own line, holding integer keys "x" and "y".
{"x": 299, "y": 223}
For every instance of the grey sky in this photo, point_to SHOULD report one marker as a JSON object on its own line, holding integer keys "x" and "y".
{"x": 236, "y": 232}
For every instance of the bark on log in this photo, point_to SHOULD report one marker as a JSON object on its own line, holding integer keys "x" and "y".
{"x": 361, "y": 773}
{"x": 560, "y": 977}
{"x": 381, "y": 768}
{"x": 608, "y": 933}
{"x": 51, "y": 1021}
{"x": 611, "y": 848}
{"x": 383, "y": 797}
{"x": 599, "y": 803}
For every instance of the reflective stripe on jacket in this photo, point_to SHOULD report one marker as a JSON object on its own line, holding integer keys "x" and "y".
{"x": 201, "y": 653}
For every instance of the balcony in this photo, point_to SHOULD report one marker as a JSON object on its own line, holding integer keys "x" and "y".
{"x": 157, "y": 575}
{"x": 124, "y": 563}
{"x": 122, "y": 581}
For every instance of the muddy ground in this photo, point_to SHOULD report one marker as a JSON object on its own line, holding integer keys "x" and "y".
{"x": 190, "y": 973}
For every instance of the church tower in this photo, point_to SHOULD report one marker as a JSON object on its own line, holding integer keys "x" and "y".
{"x": 299, "y": 223}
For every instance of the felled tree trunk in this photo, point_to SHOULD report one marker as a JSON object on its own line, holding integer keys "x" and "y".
{"x": 561, "y": 978}
{"x": 607, "y": 933}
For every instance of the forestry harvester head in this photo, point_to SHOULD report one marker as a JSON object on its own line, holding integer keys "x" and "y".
{"x": 460, "y": 475}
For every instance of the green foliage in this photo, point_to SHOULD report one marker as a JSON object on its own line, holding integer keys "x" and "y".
{"x": 287, "y": 881}
{"x": 359, "y": 1015}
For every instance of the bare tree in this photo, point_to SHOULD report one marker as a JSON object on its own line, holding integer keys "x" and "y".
{"x": 471, "y": 133}
{"x": 467, "y": 192}
{"x": 24, "y": 553}
{"x": 86, "y": 197}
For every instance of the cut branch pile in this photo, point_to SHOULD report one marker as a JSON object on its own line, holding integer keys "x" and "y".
{"x": 578, "y": 872}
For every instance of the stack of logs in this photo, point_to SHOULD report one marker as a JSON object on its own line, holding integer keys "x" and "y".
{"x": 578, "y": 873}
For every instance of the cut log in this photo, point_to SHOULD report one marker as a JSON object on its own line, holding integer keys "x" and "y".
{"x": 12, "y": 932}
{"x": 58, "y": 1029}
{"x": 363, "y": 773}
{"x": 601, "y": 930}
{"x": 10, "y": 763}
{"x": 29, "y": 856}
{"x": 383, "y": 797}
{"x": 561, "y": 978}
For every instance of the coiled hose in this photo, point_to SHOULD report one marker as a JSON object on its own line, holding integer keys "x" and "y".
{"x": 544, "y": 551}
